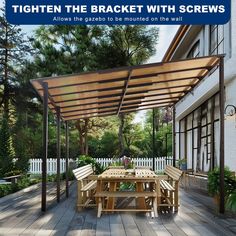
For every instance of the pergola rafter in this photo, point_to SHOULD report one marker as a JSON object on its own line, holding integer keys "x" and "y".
{"x": 103, "y": 91}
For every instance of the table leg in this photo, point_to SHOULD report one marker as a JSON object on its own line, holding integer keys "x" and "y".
{"x": 141, "y": 204}
{"x": 111, "y": 200}
{"x": 98, "y": 190}
{"x": 158, "y": 192}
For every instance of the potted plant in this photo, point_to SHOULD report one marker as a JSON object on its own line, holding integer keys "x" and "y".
{"x": 183, "y": 164}
{"x": 214, "y": 184}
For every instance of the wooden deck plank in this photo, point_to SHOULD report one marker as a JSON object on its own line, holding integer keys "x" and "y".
{"x": 24, "y": 217}
{"x": 21, "y": 214}
{"x": 116, "y": 225}
{"x": 159, "y": 228}
{"x": 62, "y": 226}
{"x": 35, "y": 227}
{"x": 89, "y": 226}
{"x": 75, "y": 226}
{"x": 117, "y": 229}
{"x": 144, "y": 228}
{"x": 174, "y": 229}
{"x": 130, "y": 226}
{"x": 103, "y": 226}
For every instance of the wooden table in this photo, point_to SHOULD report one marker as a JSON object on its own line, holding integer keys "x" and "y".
{"x": 108, "y": 188}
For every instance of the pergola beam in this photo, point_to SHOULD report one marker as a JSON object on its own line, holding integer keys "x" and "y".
{"x": 222, "y": 135}
{"x": 67, "y": 159}
{"x": 174, "y": 136}
{"x": 127, "y": 101}
{"x": 124, "y": 92}
{"x": 111, "y": 107}
{"x": 45, "y": 148}
{"x": 144, "y": 87}
{"x": 138, "y": 94}
{"x": 146, "y": 76}
{"x": 58, "y": 152}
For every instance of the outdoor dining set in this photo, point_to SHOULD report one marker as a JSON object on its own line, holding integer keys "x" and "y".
{"x": 118, "y": 189}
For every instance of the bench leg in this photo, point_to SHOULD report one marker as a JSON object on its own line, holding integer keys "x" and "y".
{"x": 99, "y": 208}
{"x": 176, "y": 198}
{"x": 79, "y": 196}
{"x": 155, "y": 206}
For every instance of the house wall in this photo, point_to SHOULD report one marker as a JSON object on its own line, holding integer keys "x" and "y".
{"x": 209, "y": 86}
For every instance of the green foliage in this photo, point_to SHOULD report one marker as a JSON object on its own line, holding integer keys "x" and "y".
{"x": 163, "y": 129}
{"x": 5, "y": 189}
{"x": 106, "y": 146}
{"x": 70, "y": 175}
{"x": 85, "y": 160}
{"x": 22, "y": 183}
{"x": 52, "y": 177}
{"x": 125, "y": 45}
{"x": 231, "y": 201}
{"x": 6, "y": 148}
{"x": 12, "y": 173}
{"x": 214, "y": 182}
{"x": 127, "y": 186}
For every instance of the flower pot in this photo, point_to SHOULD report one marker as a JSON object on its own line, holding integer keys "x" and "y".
{"x": 183, "y": 166}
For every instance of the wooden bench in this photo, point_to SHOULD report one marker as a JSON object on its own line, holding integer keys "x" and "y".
{"x": 86, "y": 185}
{"x": 13, "y": 179}
{"x": 170, "y": 187}
{"x": 126, "y": 194}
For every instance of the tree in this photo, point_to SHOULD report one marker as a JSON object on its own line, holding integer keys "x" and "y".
{"x": 163, "y": 129}
{"x": 71, "y": 49}
{"x": 84, "y": 48}
{"x": 125, "y": 46}
{"x": 6, "y": 148}
{"x": 14, "y": 47}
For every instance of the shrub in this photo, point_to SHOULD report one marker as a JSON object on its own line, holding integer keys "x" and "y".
{"x": 231, "y": 202}
{"x": 7, "y": 152}
{"x": 70, "y": 175}
{"x": 85, "y": 160}
{"x": 214, "y": 182}
{"x": 12, "y": 173}
{"x": 5, "y": 189}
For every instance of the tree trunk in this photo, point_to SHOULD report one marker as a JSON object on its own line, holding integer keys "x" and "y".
{"x": 82, "y": 126}
{"x": 120, "y": 134}
{"x": 86, "y": 121}
{"x": 6, "y": 92}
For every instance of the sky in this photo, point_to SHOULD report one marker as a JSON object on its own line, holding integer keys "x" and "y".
{"x": 166, "y": 34}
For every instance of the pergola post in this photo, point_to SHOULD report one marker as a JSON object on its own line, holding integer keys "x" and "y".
{"x": 222, "y": 139}
{"x": 153, "y": 139}
{"x": 45, "y": 147}
{"x": 58, "y": 151}
{"x": 67, "y": 159}
{"x": 174, "y": 137}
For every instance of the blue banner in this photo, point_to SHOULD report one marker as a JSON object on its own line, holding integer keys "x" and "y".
{"x": 122, "y": 12}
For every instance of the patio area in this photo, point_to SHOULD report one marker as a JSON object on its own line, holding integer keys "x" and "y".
{"x": 21, "y": 215}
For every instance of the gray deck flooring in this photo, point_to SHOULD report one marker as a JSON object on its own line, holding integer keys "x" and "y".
{"x": 21, "y": 215}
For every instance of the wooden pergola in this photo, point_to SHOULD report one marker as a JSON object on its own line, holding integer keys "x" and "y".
{"x": 123, "y": 90}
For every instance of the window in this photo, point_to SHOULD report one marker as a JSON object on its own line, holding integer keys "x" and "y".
{"x": 194, "y": 51}
{"x": 216, "y": 39}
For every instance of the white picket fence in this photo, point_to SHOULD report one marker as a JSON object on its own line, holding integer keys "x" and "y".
{"x": 160, "y": 162}
{"x": 36, "y": 164}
